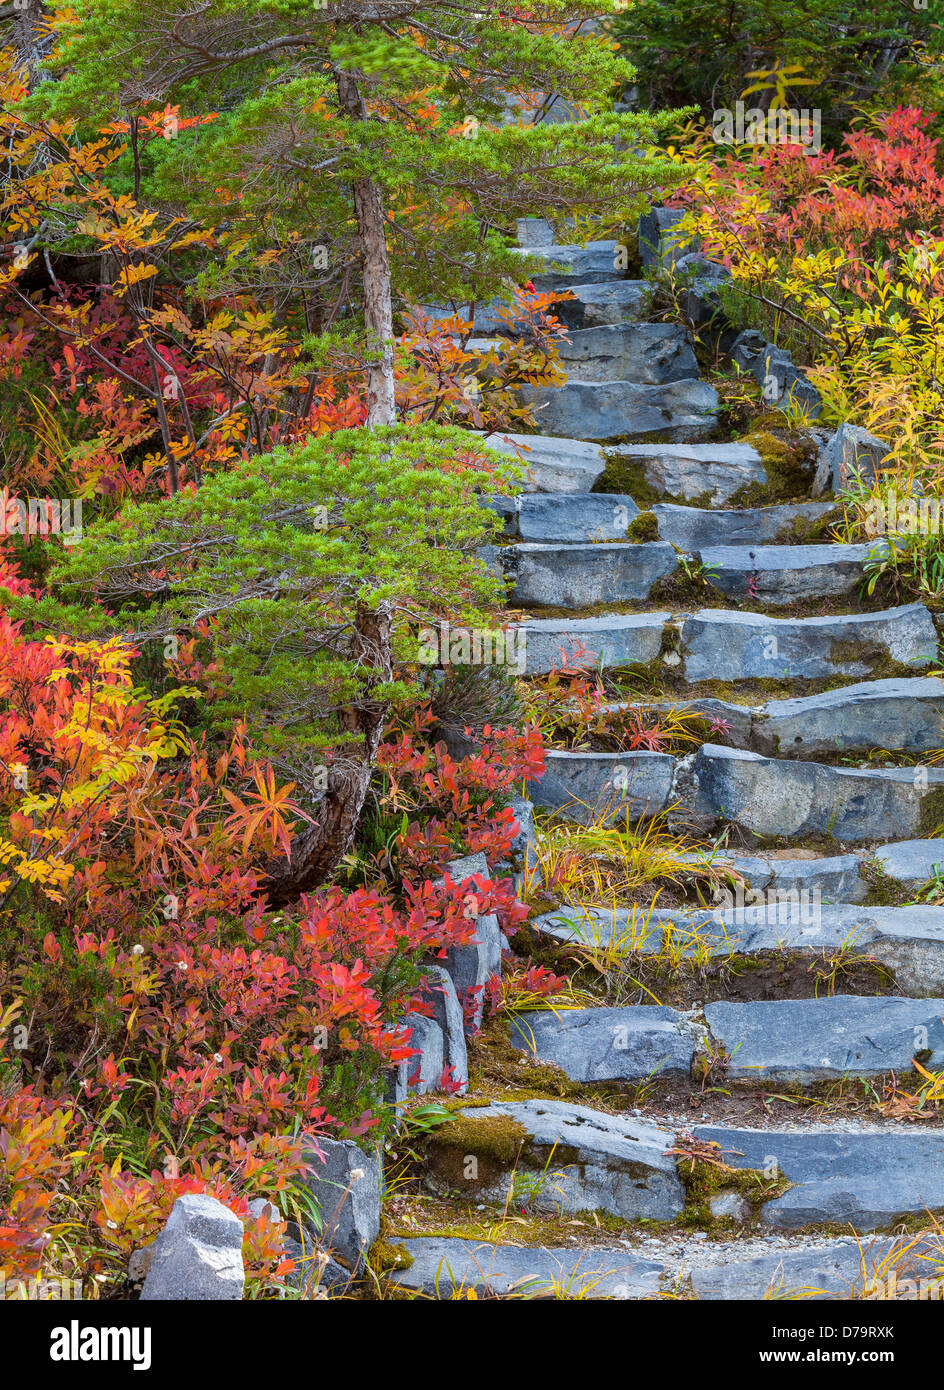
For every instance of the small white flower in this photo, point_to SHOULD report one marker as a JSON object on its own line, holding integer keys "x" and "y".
{"x": 356, "y": 1174}
{"x": 217, "y": 1056}
{"x": 112, "y": 1225}
{"x": 137, "y": 950}
{"x": 181, "y": 965}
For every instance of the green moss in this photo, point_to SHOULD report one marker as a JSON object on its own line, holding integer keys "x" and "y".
{"x": 703, "y": 1180}
{"x": 495, "y": 1137}
{"x": 644, "y": 527}
{"x": 884, "y": 891}
{"x": 384, "y": 1256}
{"x": 788, "y": 459}
{"x": 932, "y": 815}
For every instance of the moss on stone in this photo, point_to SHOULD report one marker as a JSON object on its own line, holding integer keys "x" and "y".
{"x": 644, "y": 527}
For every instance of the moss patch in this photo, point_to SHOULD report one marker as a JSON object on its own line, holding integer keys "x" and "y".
{"x": 644, "y": 527}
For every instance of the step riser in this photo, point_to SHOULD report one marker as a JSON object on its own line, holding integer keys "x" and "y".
{"x": 681, "y": 412}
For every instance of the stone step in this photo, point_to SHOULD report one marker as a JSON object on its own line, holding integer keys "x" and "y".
{"x": 647, "y": 354}
{"x": 783, "y": 574}
{"x": 574, "y": 1159}
{"x": 710, "y": 474}
{"x": 867, "y": 1179}
{"x": 842, "y": 1269}
{"x": 835, "y": 878}
{"x": 729, "y": 646}
{"x": 551, "y": 463}
{"x": 896, "y": 715}
{"x": 695, "y": 528}
{"x": 619, "y": 640}
{"x": 774, "y": 798}
{"x": 912, "y": 863}
{"x": 566, "y": 519}
{"x": 579, "y": 576}
{"x": 585, "y": 787}
{"x": 612, "y": 301}
{"x": 575, "y": 265}
{"x": 443, "y": 1266}
{"x": 604, "y": 1044}
{"x": 681, "y": 411}
{"x": 805, "y": 1041}
{"x": 907, "y": 941}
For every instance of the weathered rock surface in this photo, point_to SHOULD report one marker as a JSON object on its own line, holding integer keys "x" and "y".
{"x": 603, "y": 1044}
{"x": 583, "y": 786}
{"x": 442, "y": 1265}
{"x": 781, "y": 574}
{"x": 850, "y": 452}
{"x": 574, "y": 265}
{"x": 649, "y": 354}
{"x": 575, "y": 519}
{"x": 198, "y": 1254}
{"x": 897, "y": 715}
{"x": 603, "y": 1162}
{"x": 813, "y": 1273}
{"x": 579, "y": 576}
{"x": 809, "y": 1040}
{"x": 682, "y": 411}
{"x": 346, "y": 1183}
{"x": 866, "y": 1180}
{"x": 615, "y": 301}
{"x": 442, "y": 995}
{"x": 553, "y": 463}
{"x": 775, "y": 797}
{"x": 694, "y": 528}
{"x": 774, "y": 369}
{"x": 721, "y": 645}
{"x": 657, "y": 245}
{"x": 714, "y": 472}
{"x": 619, "y": 640}
{"x": 911, "y": 862}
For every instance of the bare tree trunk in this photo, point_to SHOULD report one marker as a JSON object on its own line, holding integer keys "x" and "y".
{"x": 375, "y": 266}
{"x": 318, "y": 850}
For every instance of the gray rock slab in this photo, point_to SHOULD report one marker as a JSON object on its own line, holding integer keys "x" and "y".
{"x": 443, "y": 1265}
{"x": 198, "y": 1254}
{"x": 658, "y": 248}
{"x": 612, "y": 301}
{"x": 908, "y": 941}
{"x": 911, "y": 862}
{"x": 711, "y": 471}
{"x": 534, "y": 231}
{"x": 694, "y": 528}
{"x": 722, "y": 645}
{"x": 612, "y": 1163}
{"x": 565, "y": 265}
{"x": 574, "y": 518}
{"x": 585, "y": 786}
{"x": 867, "y": 1180}
{"x": 346, "y": 1183}
{"x": 682, "y": 411}
{"x": 607, "y": 1044}
{"x": 777, "y": 797}
{"x": 473, "y": 965}
{"x": 442, "y": 996}
{"x": 423, "y": 1072}
{"x": 618, "y": 640}
{"x": 781, "y": 574}
{"x": 896, "y": 715}
{"x": 579, "y": 576}
{"x": 841, "y": 1269}
{"x": 850, "y": 452}
{"x": 773, "y": 368}
{"x": 553, "y": 463}
{"x": 649, "y": 354}
{"x": 809, "y": 1040}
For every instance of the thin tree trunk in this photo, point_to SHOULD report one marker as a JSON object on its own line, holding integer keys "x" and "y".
{"x": 317, "y": 851}
{"x": 375, "y": 267}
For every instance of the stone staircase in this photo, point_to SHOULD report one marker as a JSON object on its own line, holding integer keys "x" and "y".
{"x": 820, "y": 796}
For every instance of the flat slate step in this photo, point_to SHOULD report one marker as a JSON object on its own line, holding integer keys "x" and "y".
{"x": 841, "y": 1269}
{"x": 585, "y": 787}
{"x": 552, "y": 463}
{"x": 772, "y": 797}
{"x": 781, "y": 574}
{"x": 579, "y": 576}
{"x": 606, "y": 1044}
{"x": 695, "y": 528}
{"x": 911, "y": 862}
{"x": 575, "y": 265}
{"x": 611, "y": 1163}
{"x": 835, "y": 878}
{"x": 867, "y": 1180}
{"x": 441, "y": 1266}
{"x": 895, "y": 715}
{"x": 605, "y": 302}
{"x": 908, "y": 941}
{"x": 721, "y": 645}
{"x": 682, "y": 411}
{"x": 810, "y": 1040}
{"x": 649, "y": 354}
{"x": 566, "y": 519}
{"x": 714, "y": 472}
{"x": 619, "y": 640}
{"x": 905, "y": 716}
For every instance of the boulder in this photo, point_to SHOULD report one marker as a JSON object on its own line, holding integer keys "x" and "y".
{"x": 198, "y": 1254}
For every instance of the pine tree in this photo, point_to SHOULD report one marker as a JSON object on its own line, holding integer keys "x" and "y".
{"x": 378, "y": 135}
